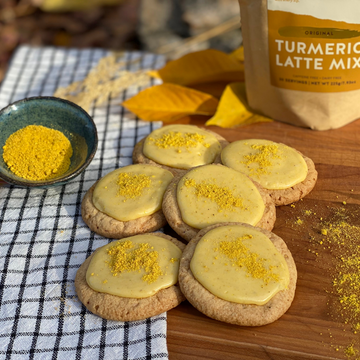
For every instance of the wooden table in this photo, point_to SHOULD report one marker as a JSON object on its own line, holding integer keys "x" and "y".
{"x": 311, "y": 329}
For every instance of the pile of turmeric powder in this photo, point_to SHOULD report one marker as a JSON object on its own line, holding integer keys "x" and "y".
{"x": 37, "y": 153}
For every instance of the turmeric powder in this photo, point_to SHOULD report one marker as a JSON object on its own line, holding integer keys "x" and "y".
{"x": 37, "y": 153}
{"x": 223, "y": 196}
{"x": 242, "y": 256}
{"x": 132, "y": 185}
{"x": 263, "y": 158}
{"x": 338, "y": 233}
{"x": 125, "y": 256}
{"x": 178, "y": 139}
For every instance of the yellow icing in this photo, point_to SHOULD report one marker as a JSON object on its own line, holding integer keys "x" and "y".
{"x": 212, "y": 194}
{"x": 239, "y": 264}
{"x": 273, "y": 165}
{"x": 181, "y": 146}
{"x": 135, "y": 267}
{"x": 131, "y": 192}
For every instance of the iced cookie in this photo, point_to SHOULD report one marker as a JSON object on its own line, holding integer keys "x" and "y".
{"x": 238, "y": 274}
{"x": 179, "y": 147}
{"x": 287, "y": 174}
{"x": 213, "y": 194}
{"x": 132, "y": 279}
{"x": 127, "y": 201}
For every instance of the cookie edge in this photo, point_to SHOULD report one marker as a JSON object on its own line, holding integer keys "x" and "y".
{"x": 127, "y": 309}
{"x": 117, "y": 229}
{"x": 172, "y": 211}
{"x": 237, "y": 314}
{"x": 138, "y": 156}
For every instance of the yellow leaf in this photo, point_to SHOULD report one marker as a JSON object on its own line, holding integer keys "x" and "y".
{"x": 233, "y": 109}
{"x": 215, "y": 89}
{"x": 238, "y": 54}
{"x": 154, "y": 74}
{"x": 169, "y": 102}
{"x": 202, "y": 67}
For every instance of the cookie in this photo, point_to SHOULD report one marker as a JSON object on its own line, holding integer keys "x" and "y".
{"x": 286, "y": 173}
{"x": 298, "y": 191}
{"x": 245, "y": 314}
{"x": 174, "y": 215}
{"x": 178, "y": 148}
{"x": 112, "y": 307}
{"x": 114, "y": 214}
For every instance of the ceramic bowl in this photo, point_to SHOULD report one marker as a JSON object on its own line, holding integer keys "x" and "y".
{"x": 55, "y": 113}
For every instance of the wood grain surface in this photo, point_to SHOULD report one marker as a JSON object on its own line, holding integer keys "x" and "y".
{"x": 313, "y": 327}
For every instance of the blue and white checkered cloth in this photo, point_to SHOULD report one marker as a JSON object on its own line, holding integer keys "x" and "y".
{"x": 43, "y": 239}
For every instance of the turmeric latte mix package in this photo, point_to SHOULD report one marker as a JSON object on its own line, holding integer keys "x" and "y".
{"x": 302, "y": 60}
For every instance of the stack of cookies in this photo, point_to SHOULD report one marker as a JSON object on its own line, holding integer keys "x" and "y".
{"x": 221, "y": 200}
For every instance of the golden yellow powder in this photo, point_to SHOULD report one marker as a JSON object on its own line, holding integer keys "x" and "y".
{"x": 339, "y": 234}
{"x": 344, "y": 239}
{"x": 222, "y": 196}
{"x": 242, "y": 256}
{"x": 132, "y": 185}
{"x": 262, "y": 158}
{"x": 37, "y": 153}
{"x": 125, "y": 256}
{"x": 178, "y": 139}
{"x": 350, "y": 351}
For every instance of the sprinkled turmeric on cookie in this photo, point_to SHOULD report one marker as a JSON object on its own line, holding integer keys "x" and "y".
{"x": 132, "y": 185}
{"x": 222, "y": 196}
{"x": 241, "y": 256}
{"x": 126, "y": 257}
{"x": 262, "y": 158}
{"x": 178, "y": 139}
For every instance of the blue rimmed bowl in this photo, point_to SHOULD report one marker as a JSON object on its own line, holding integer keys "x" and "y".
{"x": 58, "y": 114}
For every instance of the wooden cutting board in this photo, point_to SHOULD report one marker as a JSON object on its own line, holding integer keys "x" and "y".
{"x": 313, "y": 328}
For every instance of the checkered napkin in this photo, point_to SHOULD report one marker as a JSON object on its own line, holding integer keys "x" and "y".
{"x": 43, "y": 239}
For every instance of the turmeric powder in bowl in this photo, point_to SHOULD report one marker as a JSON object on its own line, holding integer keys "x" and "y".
{"x": 37, "y": 153}
{"x": 56, "y": 141}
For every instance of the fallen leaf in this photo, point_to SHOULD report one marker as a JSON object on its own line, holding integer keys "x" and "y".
{"x": 215, "y": 89}
{"x": 154, "y": 74}
{"x": 238, "y": 54}
{"x": 169, "y": 102}
{"x": 233, "y": 109}
{"x": 199, "y": 67}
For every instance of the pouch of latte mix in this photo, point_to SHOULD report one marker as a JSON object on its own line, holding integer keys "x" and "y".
{"x": 302, "y": 60}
